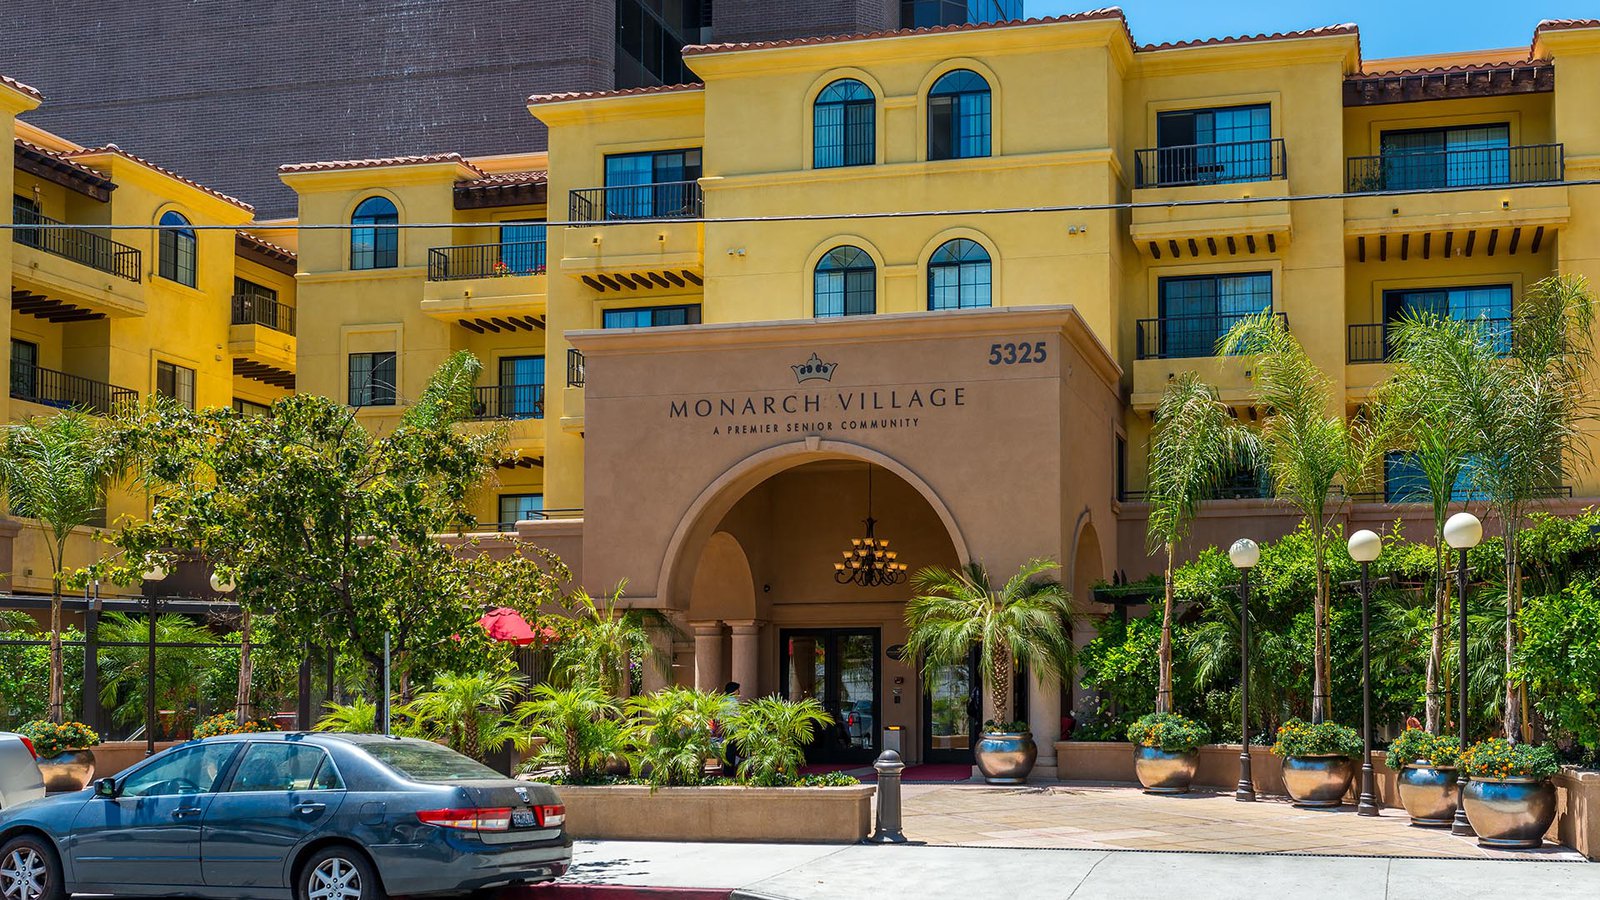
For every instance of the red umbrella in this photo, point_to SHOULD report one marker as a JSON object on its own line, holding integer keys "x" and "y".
{"x": 506, "y": 624}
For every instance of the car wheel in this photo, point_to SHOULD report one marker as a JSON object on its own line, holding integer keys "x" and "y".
{"x": 30, "y": 870}
{"x": 338, "y": 873}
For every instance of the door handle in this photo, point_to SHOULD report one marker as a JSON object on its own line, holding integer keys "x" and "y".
{"x": 307, "y": 809}
{"x": 185, "y": 812}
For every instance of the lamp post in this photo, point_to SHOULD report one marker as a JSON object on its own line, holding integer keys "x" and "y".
{"x": 1463, "y": 532}
{"x": 1244, "y": 554}
{"x": 1364, "y": 547}
{"x": 152, "y": 576}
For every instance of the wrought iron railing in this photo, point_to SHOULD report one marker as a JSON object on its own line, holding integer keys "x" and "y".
{"x": 76, "y": 243}
{"x": 1186, "y": 337}
{"x": 574, "y": 367}
{"x": 256, "y": 309}
{"x": 486, "y": 260}
{"x": 668, "y": 200}
{"x": 1230, "y": 163}
{"x": 63, "y": 391}
{"x": 1477, "y": 167}
{"x": 508, "y": 401}
{"x": 1243, "y": 485}
{"x": 1369, "y": 342}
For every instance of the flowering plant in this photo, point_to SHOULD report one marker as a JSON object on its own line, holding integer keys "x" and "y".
{"x": 228, "y": 723}
{"x": 1169, "y": 732}
{"x": 52, "y": 739}
{"x": 1416, "y": 745}
{"x": 1499, "y": 758}
{"x": 1300, "y": 738}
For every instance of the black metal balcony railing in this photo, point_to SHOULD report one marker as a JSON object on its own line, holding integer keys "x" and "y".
{"x": 668, "y": 200}
{"x": 1186, "y": 337}
{"x": 255, "y": 309}
{"x": 574, "y": 367}
{"x": 486, "y": 260}
{"x": 508, "y": 401}
{"x": 1369, "y": 343}
{"x": 1244, "y": 485}
{"x": 1191, "y": 164}
{"x": 63, "y": 391}
{"x": 1425, "y": 169}
{"x": 77, "y": 244}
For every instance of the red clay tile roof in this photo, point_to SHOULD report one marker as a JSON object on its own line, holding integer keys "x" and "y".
{"x": 1450, "y": 70}
{"x": 266, "y": 245}
{"x": 1324, "y": 31}
{"x": 1561, "y": 24}
{"x": 624, "y": 92}
{"x": 505, "y": 179}
{"x": 93, "y": 175}
{"x": 118, "y": 151}
{"x": 1111, "y": 12}
{"x": 16, "y": 85}
{"x": 336, "y": 164}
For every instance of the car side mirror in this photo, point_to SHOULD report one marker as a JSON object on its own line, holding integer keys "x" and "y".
{"x": 106, "y": 787}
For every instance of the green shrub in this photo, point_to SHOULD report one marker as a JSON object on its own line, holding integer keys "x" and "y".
{"x": 1559, "y": 660}
{"x": 582, "y": 727}
{"x": 1300, "y": 738}
{"x": 1418, "y": 745}
{"x": 359, "y": 716}
{"x": 673, "y": 729}
{"x": 1498, "y": 758}
{"x": 769, "y": 736}
{"x": 51, "y": 739}
{"x": 827, "y": 779}
{"x": 1169, "y": 732}
{"x": 228, "y": 723}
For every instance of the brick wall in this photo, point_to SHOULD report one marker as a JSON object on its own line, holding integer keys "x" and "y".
{"x": 765, "y": 20}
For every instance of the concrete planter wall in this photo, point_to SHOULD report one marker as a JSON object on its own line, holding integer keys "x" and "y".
{"x": 826, "y": 815}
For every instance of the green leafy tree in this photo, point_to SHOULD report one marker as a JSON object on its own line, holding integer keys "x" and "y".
{"x": 1022, "y": 622}
{"x": 57, "y": 470}
{"x": 604, "y": 641}
{"x": 1196, "y": 441}
{"x": 1559, "y": 660}
{"x": 25, "y": 670}
{"x": 468, "y": 713}
{"x": 582, "y": 726}
{"x": 180, "y": 670}
{"x": 771, "y": 735}
{"x": 674, "y": 731}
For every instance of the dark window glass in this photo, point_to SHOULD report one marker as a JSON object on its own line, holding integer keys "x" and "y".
{"x": 521, "y": 389}
{"x": 1225, "y": 145}
{"x": 1490, "y": 305}
{"x": 192, "y": 770}
{"x": 1197, "y": 310}
{"x": 1404, "y": 481}
{"x": 250, "y": 407}
{"x": 280, "y": 766}
{"x": 26, "y": 211}
{"x": 844, "y": 128}
{"x": 652, "y": 185}
{"x": 959, "y": 116}
{"x": 423, "y": 761}
{"x": 959, "y": 276}
{"x": 1446, "y": 157}
{"x": 373, "y": 246}
{"x": 244, "y": 287}
{"x": 24, "y": 369}
{"x": 176, "y": 249}
{"x": 372, "y": 379}
{"x": 846, "y": 284}
{"x": 652, "y": 316}
{"x": 175, "y": 381}
{"x": 522, "y": 246}
{"x": 516, "y": 508}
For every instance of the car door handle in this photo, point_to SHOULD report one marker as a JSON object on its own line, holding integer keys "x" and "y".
{"x": 307, "y": 809}
{"x": 186, "y": 812}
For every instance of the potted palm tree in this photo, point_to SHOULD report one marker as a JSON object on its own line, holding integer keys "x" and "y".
{"x": 1021, "y": 623}
{"x": 1425, "y": 767}
{"x": 1508, "y": 796}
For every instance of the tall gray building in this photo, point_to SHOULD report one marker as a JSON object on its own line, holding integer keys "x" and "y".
{"x": 224, "y": 92}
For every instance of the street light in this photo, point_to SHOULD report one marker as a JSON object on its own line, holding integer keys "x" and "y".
{"x": 1463, "y": 532}
{"x": 1244, "y": 554}
{"x": 1364, "y": 547}
{"x": 153, "y": 575}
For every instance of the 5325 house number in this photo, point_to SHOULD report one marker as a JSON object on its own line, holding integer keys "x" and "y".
{"x": 1010, "y": 354}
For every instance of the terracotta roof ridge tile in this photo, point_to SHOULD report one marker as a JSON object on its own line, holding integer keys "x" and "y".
{"x": 377, "y": 162}
{"x": 61, "y": 157}
{"x": 1109, "y": 12}
{"x": 16, "y": 85}
{"x": 561, "y": 96}
{"x": 1450, "y": 69}
{"x": 263, "y": 242}
{"x": 118, "y": 151}
{"x": 1321, "y": 31}
{"x": 1559, "y": 24}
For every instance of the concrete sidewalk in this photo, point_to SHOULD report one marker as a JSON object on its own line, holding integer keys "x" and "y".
{"x": 801, "y": 872}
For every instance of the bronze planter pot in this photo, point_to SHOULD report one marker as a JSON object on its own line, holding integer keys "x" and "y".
{"x": 1428, "y": 793}
{"x": 1318, "y": 782}
{"x": 1006, "y": 757}
{"x": 68, "y": 771}
{"x": 1163, "y": 771}
{"x": 1510, "y": 812}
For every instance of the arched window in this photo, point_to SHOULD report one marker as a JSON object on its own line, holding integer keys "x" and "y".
{"x": 371, "y": 245}
{"x": 175, "y": 256}
{"x": 958, "y": 116}
{"x": 844, "y": 130}
{"x": 959, "y": 276}
{"x": 846, "y": 283}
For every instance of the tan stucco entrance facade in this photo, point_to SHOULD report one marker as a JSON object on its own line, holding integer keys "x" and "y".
{"x": 727, "y": 466}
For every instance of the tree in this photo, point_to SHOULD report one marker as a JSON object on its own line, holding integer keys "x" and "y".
{"x": 603, "y": 642}
{"x": 1195, "y": 442}
{"x": 1022, "y": 622}
{"x": 180, "y": 670}
{"x": 468, "y": 713}
{"x": 771, "y": 734}
{"x": 1308, "y": 448}
{"x": 581, "y": 724}
{"x": 57, "y": 469}
{"x": 674, "y": 728}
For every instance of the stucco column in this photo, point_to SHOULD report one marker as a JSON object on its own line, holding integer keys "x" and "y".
{"x": 747, "y": 658}
{"x": 708, "y": 656}
{"x": 1044, "y": 717}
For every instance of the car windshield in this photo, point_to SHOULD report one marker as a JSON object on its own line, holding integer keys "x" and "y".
{"x": 421, "y": 761}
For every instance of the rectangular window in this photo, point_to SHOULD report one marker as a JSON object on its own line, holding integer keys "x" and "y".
{"x": 1446, "y": 157}
{"x": 24, "y": 369}
{"x": 520, "y": 394}
{"x": 26, "y": 211}
{"x": 1489, "y": 305}
{"x": 1197, "y": 310}
{"x": 516, "y": 508}
{"x": 1404, "y": 481}
{"x": 652, "y": 185}
{"x": 522, "y": 246}
{"x": 652, "y": 316}
{"x": 175, "y": 381}
{"x": 175, "y": 252}
{"x": 1223, "y": 145}
{"x": 250, "y": 407}
{"x": 372, "y": 379}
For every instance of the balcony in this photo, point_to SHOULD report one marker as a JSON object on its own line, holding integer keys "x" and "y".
{"x": 1167, "y": 346}
{"x": 261, "y": 340}
{"x": 1238, "y": 162}
{"x": 1186, "y": 337}
{"x": 69, "y": 273}
{"x": 1241, "y": 485}
{"x": 572, "y": 398}
{"x": 626, "y": 203}
{"x": 574, "y": 367}
{"x": 508, "y": 401}
{"x": 1255, "y": 170}
{"x": 76, "y": 244}
{"x": 488, "y": 287}
{"x": 657, "y": 252}
{"x": 1451, "y": 169}
{"x": 60, "y": 390}
{"x": 254, "y": 309}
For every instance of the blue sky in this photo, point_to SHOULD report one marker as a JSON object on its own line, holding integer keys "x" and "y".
{"x": 1388, "y": 27}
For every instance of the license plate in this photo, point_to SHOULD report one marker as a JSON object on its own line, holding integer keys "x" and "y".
{"x": 523, "y": 818}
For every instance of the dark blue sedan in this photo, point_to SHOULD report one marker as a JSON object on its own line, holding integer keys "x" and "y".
{"x": 303, "y": 816}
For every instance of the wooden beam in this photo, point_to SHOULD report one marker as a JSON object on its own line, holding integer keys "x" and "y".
{"x": 1155, "y": 250}
{"x": 502, "y": 323}
{"x": 1383, "y": 248}
{"x": 1516, "y": 235}
{"x": 1405, "y": 246}
{"x": 1427, "y": 241}
{"x": 1272, "y": 243}
{"x": 1494, "y": 237}
{"x": 656, "y": 277}
{"x": 1538, "y": 236}
{"x": 1361, "y": 248}
{"x": 1194, "y": 249}
{"x": 641, "y": 280}
{"x": 489, "y": 325}
{"x": 1233, "y": 249}
{"x": 470, "y": 326}
{"x": 1173, "y": 245}
{"x": 1211, "y": 245}
{"x": 698, "y": 281}
{"x": 609, "y": 282}
{"x": 1449, "y": 241}
{"x": 593, "y": 283}
{"x": 1250, "y": 242}
{"x": 673, "y": 277}
{"x": 1472, "y": 238}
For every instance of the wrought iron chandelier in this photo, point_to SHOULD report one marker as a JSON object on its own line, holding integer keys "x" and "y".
{"x": 869, "y": 561}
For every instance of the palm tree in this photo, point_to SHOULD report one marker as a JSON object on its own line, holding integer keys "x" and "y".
{"x": 57, "y": 469}
{"x": 1195, "y": 442}
{"x": 1021, "y": 623}
{"x": 180, "y": 667}
{"x": 468, "y": 713}
{"x": 771, "y": 734}
{"x": 360, "y": 716}
{"x": 581, "y": 726}
{"x": 605, "y": 641}
{"x": 674, "y": 730}
{"x": 1307, "y": 450}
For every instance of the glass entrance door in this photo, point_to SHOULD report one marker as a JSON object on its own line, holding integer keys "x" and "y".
{"x": 837, "y": 667}
{"x": 952, "y": 704}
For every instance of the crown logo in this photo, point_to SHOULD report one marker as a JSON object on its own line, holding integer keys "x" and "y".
{"x": 814, "y": 369}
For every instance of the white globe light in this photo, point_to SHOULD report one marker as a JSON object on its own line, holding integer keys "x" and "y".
{"x": 1463, "y": 531}
{"x": 221, "y": 586}
{"x": 1244, "y": 554}
{"x": 1365, "y": 546}
{"x": 156, "y": 572}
